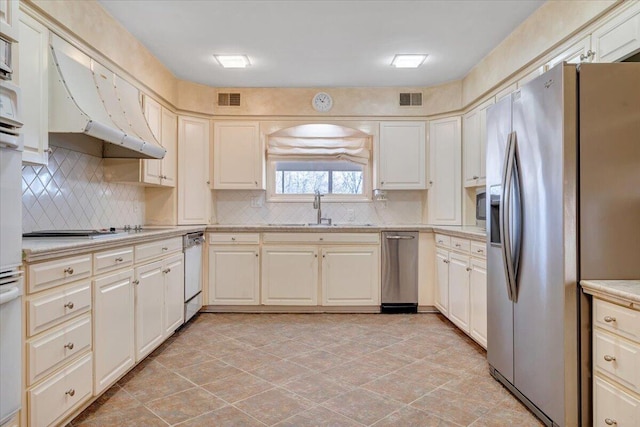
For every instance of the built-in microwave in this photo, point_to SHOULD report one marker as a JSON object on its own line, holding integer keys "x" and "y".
{"x": 5, "y": 59}
{"x": 481, "y": 207}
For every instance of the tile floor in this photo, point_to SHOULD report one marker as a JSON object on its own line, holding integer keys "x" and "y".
{"x": 311, "y": 370}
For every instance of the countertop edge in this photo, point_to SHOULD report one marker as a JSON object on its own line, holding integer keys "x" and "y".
{"x": 628, "y": 290}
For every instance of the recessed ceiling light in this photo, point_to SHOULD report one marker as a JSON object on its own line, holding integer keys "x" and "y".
{"x": 233, "y": 61}
{"x": 408, "y": 60}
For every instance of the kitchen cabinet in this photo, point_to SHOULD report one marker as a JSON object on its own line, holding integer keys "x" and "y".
{"x": 290, "y": 275}
{"x": 445, "y": 189}
{"x": 442, "y": 281}
{"x": 149, "y": 308}
{"x": 32, "y": 75}
{"x": 9, "y": 19}
{"x": 402, "y": 160}
{"x": 619, "y": 37}
{"x": 194, "y": 192}
{"x": 478, "y": 300}
{"x": 234, "y": 275}
{"x": 173, "y": 271}
{"x": 474, "y": 133}
{"x": 238, "y": 156}
{"x": 114, "y": 350}
{"x": 459, "y": 290}
{"x": 578, "y": 52}
{"x": 351, "y": 275}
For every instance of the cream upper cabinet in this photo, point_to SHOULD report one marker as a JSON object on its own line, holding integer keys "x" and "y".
{"x": 238, "y": 156}
{"x": 9, "y": 19}
{"x": 402, "y": 156}
{"x": 442, "y": 281}
{"x": 152, "y": 169}
{"x": 445, "y": 189}
{"x": 194, "y": 192}
{"x": 149, "y": 308}
{"x": 33, "y": 78}
{"x": 474, "y": 137}
{"x": 618, "y": 38}
{"x": 113, "y": 320}
{"x": 164, "y": 126}
{"x": 478, "y": 300}
{"x": 351, "y": 276}
{"x": 234, "y": 275}
{"x": 578, "y": 52}
{"x": 173, "y": 271}
{"x": 170, "y": 143}
{"x": 290, "y": 275}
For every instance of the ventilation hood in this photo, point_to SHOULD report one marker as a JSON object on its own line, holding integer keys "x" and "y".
{"x": 93, "y": 110}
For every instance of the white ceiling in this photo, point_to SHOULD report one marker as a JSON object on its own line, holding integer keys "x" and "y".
{"x": 323, "y": 43}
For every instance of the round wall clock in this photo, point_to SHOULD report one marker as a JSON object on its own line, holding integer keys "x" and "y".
{"x": 322, "y": 102}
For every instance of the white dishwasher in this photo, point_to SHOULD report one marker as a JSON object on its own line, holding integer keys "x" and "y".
{"x": 192, "y": 245}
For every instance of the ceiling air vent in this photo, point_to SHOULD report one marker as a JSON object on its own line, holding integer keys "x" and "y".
{"x": 410, "y": 99}
{"x": 229, "y": 99}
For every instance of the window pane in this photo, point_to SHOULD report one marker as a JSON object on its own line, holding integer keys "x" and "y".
{"x": 347, "y": 182}
{"x": 304, "y": 182}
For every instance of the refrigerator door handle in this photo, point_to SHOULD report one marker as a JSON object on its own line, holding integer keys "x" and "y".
{"x": 506, "y": 217}
{"x": 516, "y": 219}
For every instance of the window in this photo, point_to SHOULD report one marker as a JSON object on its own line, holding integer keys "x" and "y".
{"x": 328, "y": 177}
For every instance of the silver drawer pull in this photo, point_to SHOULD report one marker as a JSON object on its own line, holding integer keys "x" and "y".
{"x": 68, "y": 270}
{"x": 610, "y": 422}
{"x": 400, "y": 237}
{"x": 168, "y": 270}
{"x": 119, "y": 259}
{"x": 440, "y": 241}
{"x": 233, "y": 239}
{"x": 69, "y": 305}
{"x": 609, "y": 319}
{"x": 446, "y": 261}
{"x": 71, "y": 392}
{"x": 475, "y": 177}
{"x": 458, "y": 245}
{"x": 468, "y": 268}
{"x": 609, "y": 358}
{"x": 480, "y": 251}
{"x": 165, "y": 249}
{"x": 69, "y": 346}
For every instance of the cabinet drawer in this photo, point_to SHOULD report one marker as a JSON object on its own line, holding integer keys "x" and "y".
{"x": 234, "y": 238}
{"x": 56, "y": 347}
{"x": 110, "y": 260}
{"x": 60, "y": 394}
{"x": 57, "y": 306}
{"x": 442, "y": 240}
{"x": 48, "y": 274}
{"x": 615, "y": 318}
{"x": 462, "y": 245}
{"x": 478, "y": 249}
{"x": 322, "y": 238}
{"x": 618, "y": 358}
{"x": 614, "y": 407}
{"x": 158, "y": 248}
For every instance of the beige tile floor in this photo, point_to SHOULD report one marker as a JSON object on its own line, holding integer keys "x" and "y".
{"x": 311, "y": 370}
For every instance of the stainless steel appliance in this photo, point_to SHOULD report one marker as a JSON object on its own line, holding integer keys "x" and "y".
{"x": 481, "y": 207}
{"x": 563, "y": 167}
{"x": 192, "y": 274}
{"x": 399, "y": 272}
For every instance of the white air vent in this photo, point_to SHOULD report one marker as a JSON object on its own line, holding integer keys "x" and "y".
{"x": 229, "y": 99}
{"x": 410, "y": 99}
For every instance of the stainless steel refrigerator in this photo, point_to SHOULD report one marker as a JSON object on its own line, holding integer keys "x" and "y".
{"x": 563, "y": 186}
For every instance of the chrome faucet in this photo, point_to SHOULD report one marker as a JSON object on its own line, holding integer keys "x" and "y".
{"x": 317, "y": 204}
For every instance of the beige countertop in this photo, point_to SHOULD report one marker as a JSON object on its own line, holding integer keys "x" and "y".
{"x": 628, "y": 290}
{"x": 39, "y": 249}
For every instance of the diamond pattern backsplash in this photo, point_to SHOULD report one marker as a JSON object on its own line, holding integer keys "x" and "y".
{"x": 70, "y": 193}
{"x": 234, "y": 207}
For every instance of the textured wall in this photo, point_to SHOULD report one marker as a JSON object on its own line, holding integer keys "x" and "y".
{"x": 69, "y": 193}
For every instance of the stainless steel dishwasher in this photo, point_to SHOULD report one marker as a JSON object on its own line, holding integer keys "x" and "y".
{"x": 399, "y": 272}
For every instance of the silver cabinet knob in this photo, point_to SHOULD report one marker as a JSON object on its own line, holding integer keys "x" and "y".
{"x": 609, "y": 358}
{"x": 440, "y": 241}
{"x": 68, "y": 270}
{"x": 136, "y": 282}
{"x": 458, "y": 245}
{"x": 167, "y": 271}
{"x": 316, "y": 255}
{"x": 69, "y": 346}
{"x": 468, "y": 268}
{"x": 233, "y": 239}
{"x": 475, "y": 177}
{"x": 610, "y": 422}
{"x": 119, "y": 259}
{"x": 69, "y": 305}
{"x": 256, "y": 182}
{"x": 446, "y": 261}
{"x": 480, "y": 251}
{"x": 609, "y": 319}
{"x": 71, "y": 392}
{"x": 165, "y": 249}
{"x": 256, "y": 254}
{"x": 321, "y": 238}
{"x": 48, "y": 151}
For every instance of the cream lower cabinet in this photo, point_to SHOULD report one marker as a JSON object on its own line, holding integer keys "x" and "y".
{"x": 478, "y": 300}
{"x": 234, "y": 275}
{"x": 442, "y": 281}
{"x": 114, "y": 338}
{"x": 350, "y": 276}
{"x": 149, "y": 308}
{"x": 173, "y": 271}
{"x": 290, "y": 275}
{"x": 459, "y": 290}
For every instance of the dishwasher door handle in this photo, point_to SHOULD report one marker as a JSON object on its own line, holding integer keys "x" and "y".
{"x": 400, "y": 237}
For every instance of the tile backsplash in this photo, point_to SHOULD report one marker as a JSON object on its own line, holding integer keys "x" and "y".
{"x": 234, "y": 207}
{"x": 70, "y": 193}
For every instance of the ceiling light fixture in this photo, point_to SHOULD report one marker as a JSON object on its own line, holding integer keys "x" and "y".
{"x": 233, "y": 61}
{"x": 408, "y": 60}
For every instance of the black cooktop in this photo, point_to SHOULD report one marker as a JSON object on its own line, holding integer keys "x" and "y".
{"x": 70, "y": 233}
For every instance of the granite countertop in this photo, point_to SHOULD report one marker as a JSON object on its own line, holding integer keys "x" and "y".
{"x": 623, "y": 289}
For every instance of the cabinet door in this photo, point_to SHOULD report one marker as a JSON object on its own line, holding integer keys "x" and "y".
{"x": 478, "y": 301}
{"x": 402, "y": 160}
{"x": 32, "y": 76}
{"x": 620, "y": 37}
{"x": 445, "y": 189}
{"x": 9, "y": 20}
{"x": 149, "y": 308}
{"x": 574, "y": 54}
{"x": 442, "y": 281}
{"x": 459, "y": 290}
{"x": 194, "y": 194}
{"x": 173, "y": 270}
{"x": 612, "y": 406}
{"x": 234, "y": 275}
{"x": 113, "y": 326}
{"x": 351, "y": 276}
{"x": 289, "y": 275}
{"x": 237, "y": 156}
{"x": 474, "y": 132}
{"x": 152, "y": 170}
{"x": 170, "y": 143}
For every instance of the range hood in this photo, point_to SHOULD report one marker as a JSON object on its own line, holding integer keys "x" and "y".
{"x": 93, "y": 110}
